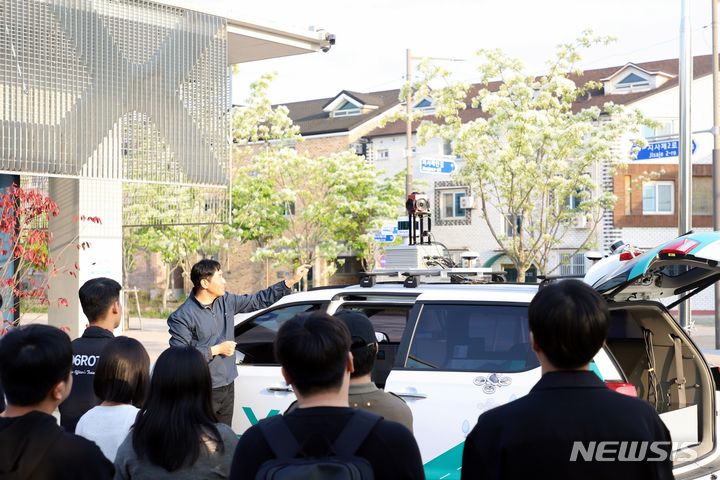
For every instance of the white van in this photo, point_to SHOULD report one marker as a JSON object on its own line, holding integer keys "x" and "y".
{"x": 453, "y": 351}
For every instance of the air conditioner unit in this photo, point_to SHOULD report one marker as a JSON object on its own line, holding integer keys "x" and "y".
{"x": 581, "y": 221}
{"x": 467, "y": 202}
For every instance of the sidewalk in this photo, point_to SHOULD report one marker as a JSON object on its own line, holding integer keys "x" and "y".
{"x": 154, "y": 334}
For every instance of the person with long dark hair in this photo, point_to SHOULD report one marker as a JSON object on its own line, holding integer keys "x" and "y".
{"x": 121, "y": 381}
{"x": 176, "y": 434}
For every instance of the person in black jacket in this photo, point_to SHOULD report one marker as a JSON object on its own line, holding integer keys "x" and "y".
{"x": 206, "y": 321}
{"x": 549, "y": 432}
{"x": 100, "y": 301}
{"x": 35, "y": 363}
{"x": 314, "y": 351}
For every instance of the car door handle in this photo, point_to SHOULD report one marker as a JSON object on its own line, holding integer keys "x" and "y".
{"x": 414, "y": 395}
{"x": 279, "y": 389}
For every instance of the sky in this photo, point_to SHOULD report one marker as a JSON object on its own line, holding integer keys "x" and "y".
{"x": 373, "y": 35}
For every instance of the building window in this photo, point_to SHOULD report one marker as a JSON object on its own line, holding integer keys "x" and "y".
{"x": 513, "y": 224}
{"x": 572, "y": 264}
{"x": 449, "y": 204}
{"x": 383, "y": 154}
{"x": 447, "y": 148}
{"x": 632, "y": 81}
{"x": 289, "y": 208}
{"x": 658, "y": 197}
{"x": 425, "y": 105}
{"x": 347, "y": 109}
{"x": 702, "y": 196}
{"x": 450, "y": 208}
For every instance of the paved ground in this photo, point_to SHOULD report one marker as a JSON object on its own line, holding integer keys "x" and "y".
{"x": 153, "y": 334}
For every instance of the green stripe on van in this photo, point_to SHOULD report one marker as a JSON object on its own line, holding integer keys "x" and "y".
{"x": 445, "y": 466}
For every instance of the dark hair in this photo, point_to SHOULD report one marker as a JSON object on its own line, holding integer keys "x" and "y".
{"x": 569, "y": 321}
{"x": 123, "y": 372}
{"x": 203, "y": 269}
{"x": 33, "y": 359}
{"x": 313, "y": 349}
{"x": 178, "y": 412}
{"x": 96, "y": 296}
{"x": 363, "y": 357}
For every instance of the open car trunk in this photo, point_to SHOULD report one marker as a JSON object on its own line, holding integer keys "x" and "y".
{"x": 668, "y": 371}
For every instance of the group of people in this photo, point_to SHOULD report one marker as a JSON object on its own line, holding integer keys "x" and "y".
{"x": 175, "y": 422}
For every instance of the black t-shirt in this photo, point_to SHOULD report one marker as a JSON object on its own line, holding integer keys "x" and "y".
{"x": 390, "y": 447}
{"x": 86, "y": 355}
{"x": 34, "y": 447}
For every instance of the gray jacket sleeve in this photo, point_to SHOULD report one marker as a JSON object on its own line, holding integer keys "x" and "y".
{"x": 181, "y": 335}
{"x": 256, "y": 301}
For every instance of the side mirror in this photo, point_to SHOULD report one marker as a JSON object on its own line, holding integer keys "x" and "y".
{"x": 382, "y": 337}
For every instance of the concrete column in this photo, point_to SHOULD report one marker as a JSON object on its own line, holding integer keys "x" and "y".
{"x": 8, "y": 298}
{"x": 101, "y": 256}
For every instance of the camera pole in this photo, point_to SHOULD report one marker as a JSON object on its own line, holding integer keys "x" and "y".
{"x": 408, "y": 127}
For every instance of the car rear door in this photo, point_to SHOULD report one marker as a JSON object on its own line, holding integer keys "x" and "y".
{"x": 655, "y": 353}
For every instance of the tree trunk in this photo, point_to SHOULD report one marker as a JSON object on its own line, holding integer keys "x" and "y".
{"x": 166, "y": 287}
{"x": 521, "y": 274}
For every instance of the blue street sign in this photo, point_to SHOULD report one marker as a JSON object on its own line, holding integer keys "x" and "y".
{"x": 383, "y": 238}
{"x": 434, "y": 165}
{"x": 664, "y": 149}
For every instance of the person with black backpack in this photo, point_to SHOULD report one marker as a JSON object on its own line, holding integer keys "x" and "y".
{"x": 323, "y": 437}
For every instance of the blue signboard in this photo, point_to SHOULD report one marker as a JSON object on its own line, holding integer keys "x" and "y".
{"x": 664, "y": 149}
{"x": 434, "y": 165}
{"x": 384, "y": 238}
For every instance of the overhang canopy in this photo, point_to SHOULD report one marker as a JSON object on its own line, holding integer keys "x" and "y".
{"x": 251, "y": 40}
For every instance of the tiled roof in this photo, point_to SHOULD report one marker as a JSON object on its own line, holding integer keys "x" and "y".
{"x": 312, "y": 120}
{"x": 702, "y": 65}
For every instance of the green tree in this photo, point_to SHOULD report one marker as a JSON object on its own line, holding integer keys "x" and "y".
{"x": 177, "y": 245}
{"x": 298, "y": 208}
{"x": 532, "y": 159}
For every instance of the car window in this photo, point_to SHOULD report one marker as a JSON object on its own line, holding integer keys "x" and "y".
{"x": 471, "y": 337}
{"x": 255, "y": 337}
{"x": 390, "y": 320}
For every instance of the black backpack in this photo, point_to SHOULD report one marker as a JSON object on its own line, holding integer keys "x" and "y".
{"x": 341, "y": 464}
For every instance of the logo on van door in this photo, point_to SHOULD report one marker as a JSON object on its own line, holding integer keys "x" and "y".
{"x": 492, "y": 382}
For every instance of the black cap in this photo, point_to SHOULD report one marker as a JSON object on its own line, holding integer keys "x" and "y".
{"x": 358, "y": 324}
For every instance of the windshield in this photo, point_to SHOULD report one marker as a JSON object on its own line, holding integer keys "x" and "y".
{"x": 471, "y": 337}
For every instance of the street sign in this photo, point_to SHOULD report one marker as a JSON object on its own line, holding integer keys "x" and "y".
{"x": 436, "y": 165}
{"x": 389, "y": 230}
{"x": 664, "y": 149}
{"x": 384, "y": 238}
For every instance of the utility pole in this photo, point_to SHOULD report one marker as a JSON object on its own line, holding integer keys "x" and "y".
{"x": 716, "y": 153}
{"x": 408, "y": 127}
{"x": 685, "y": 160}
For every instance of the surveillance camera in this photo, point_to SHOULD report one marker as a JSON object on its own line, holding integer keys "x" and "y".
{"x": 330, "y": 37}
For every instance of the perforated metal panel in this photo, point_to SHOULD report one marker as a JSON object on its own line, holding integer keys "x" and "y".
{"x": 125, "y": 90}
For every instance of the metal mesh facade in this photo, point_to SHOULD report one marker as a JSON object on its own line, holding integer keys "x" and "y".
{"x": 125, "y": 90}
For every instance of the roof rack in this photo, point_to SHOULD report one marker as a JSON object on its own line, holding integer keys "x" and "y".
{"x": 456, "y": 275}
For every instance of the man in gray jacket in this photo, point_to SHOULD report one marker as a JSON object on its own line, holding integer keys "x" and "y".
{"x": 206, "y": 321}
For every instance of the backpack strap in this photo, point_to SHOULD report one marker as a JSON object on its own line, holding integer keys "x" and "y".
{"x": 279, "y": 437}
{"x": 355, "y": 432}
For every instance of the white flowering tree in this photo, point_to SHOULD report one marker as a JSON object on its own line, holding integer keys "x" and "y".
{"x": 301, "y": 209}
{"x": 532, "y": 159}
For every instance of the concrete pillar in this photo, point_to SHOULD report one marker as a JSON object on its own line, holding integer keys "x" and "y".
{"x": 8, "y": 298}
{"x": 102, "y": 255}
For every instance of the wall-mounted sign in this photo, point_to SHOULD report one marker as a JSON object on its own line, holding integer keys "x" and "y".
{"x": 660, "y": 150}
{"x": 436, "y": 165}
